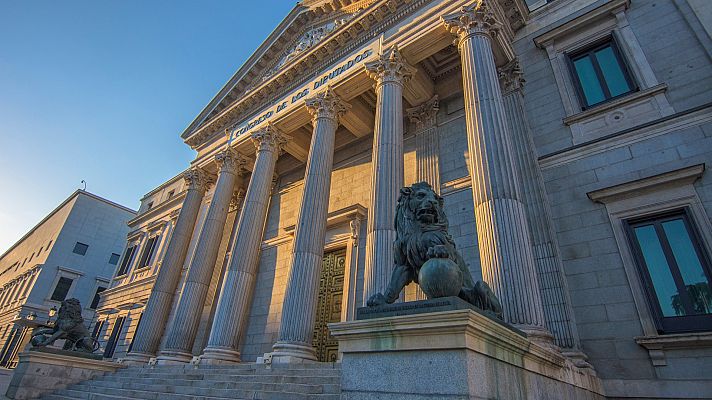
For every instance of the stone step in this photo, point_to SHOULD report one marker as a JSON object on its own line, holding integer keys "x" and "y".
{"x": 184, "y": 393}
{"x": 205, "y": 374}
{"x": 194, "y": 387}
{"x": 306, "y": 380}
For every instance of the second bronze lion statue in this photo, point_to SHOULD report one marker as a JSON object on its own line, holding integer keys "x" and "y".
{"x": 69, "y": 326}
{"x": 421, "y": 226}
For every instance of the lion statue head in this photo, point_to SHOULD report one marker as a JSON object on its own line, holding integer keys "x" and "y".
{"x": 70, "y": 314}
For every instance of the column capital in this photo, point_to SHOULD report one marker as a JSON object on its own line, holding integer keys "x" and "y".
{"x": 511, "y": 77}
{"x": 231, "y": 161}
{"x": 390, "y": 66}
{"x": 238, "y": 196}
{"x": 476, "y": 19}
{"x": 269, "y": 138}
{"x": 326, "y": 104}
{"x": 197, "y": 179}
{"x": 424, "y": 115}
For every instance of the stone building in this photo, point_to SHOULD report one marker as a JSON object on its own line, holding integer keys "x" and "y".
{"x": 71, "y": 253}
{"x": 568, "y": 139}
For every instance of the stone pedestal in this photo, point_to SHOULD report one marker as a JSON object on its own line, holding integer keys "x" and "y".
{"x": 459, "y": 354}
{"x": 43, "y": 371}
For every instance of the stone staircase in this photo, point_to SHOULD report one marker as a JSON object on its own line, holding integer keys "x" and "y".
{"x": 318, "y": 381}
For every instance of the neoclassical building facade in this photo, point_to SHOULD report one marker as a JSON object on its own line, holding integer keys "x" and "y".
{"x": 567, "y": 138}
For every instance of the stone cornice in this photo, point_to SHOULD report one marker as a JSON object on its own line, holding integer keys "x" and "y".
{"x": 370, "y": 22}
{"x": 157, "y": 210}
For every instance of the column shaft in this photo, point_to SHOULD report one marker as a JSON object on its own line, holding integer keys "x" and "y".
{"x": 390, "y": 73}
{"x": 300, "y": 300}
{"x": 502, "y": 231}
{"x": 238, "y": 285}
{"x": 555, "y": 297}
{"x": 148, "y": 335}
{"x": 182, "y": 333}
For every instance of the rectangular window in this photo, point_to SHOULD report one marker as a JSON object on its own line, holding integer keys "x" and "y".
{"x": 148, "y": 250}
{"x": 135, "y": 332}
{"x": 114, "y": 338}
{"x": 171, "y": 194}
{"x": 600, "y": 74}
{"x": 97, "y": 329}
{"x": 62, "y": 288}
{"x": 114, "y": 258}
{"x": 675, "y": 270}
{"x": 95, "y": 301}
{"x": 126, "y": 263}
{"x": 80, "y": 248}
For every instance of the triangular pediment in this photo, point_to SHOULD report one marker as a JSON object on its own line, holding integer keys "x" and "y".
{"x": 309, "y": 23}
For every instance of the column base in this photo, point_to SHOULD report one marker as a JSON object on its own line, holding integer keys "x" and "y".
{"x": 219, "y": 355}
{"x": 292, "y": 353}
{"x": 137, "y": 359}
{"x": 173, "y": 358}
{"x": 577, "y": 357}
{"x": 539, "y": 335}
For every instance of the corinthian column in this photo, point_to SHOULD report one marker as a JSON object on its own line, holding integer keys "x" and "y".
{"x": 423, "y": 119}
{"x": 241, "y": 274}
{"x": 554, "y": 294}
{"x": 502, "y": 228}
{"x": 390, "y": 72}
{"x": 150, "y": 330}
{"x": 300, "y": 300}
{"x": 181, "y": 335}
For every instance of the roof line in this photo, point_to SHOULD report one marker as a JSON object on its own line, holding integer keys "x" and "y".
{"x": 244, "y": 68}
{"x": 59, "y": 207}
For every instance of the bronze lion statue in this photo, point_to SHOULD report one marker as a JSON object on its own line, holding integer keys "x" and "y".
{"x": 69, "y": 326}
{"x": 421, "y": 234}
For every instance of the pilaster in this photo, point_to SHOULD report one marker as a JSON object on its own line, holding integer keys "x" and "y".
{"x": 553, "y": 292}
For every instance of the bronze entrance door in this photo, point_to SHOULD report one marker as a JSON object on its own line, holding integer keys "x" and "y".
{"x": 331, "y": 288}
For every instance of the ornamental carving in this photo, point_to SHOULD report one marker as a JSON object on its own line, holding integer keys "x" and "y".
{"x": 270, "y": 138}
{"x": 511, "y": 77}
{"x": 326, "y": 105}
{"x": 471, "y": 20}
{"x": 238, "y": 196}
{"x": 425, "y": 115}
{"x": 197, "y": 179}
{"x": 390, "y": 66}
{"x": 308, "y": 40}
{"x": 231, "y": 161}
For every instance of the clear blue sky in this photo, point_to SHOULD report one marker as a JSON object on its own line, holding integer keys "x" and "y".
{"x": 101, "y": 90}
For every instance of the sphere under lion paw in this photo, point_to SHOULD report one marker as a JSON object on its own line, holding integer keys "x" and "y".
{"x": 440, "y": 277}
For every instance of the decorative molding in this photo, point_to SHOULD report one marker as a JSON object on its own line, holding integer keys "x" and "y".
{"x": 456, "y": 185}
{"x": 616, "y": 103}
{"x": 197, "y": 179}
{"x": 694, "y": 117}
{"x": 346, "y": 214}
{"x": 657, "y": 345}
{"x": 476, "y": 19}
{"x": 231, "y": 161}
{"x": 326, "y": 104}
{"x": 270, "y": 139}
{"x": 576, "y": 25}
{"x": 684, "y": 176}
{"x": 390, "y": 67}
{"x": 425, "y": 115}
{"x": 511, "y": 77}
